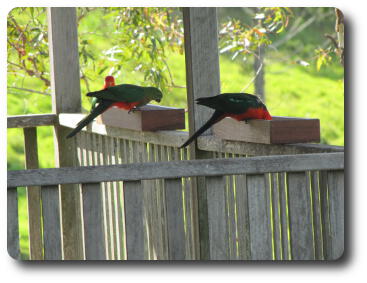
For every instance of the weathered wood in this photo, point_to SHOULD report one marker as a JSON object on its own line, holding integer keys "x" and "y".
{"x": 218, "y": 219}
{"x": 334, "y": 244}
{"x": 65, "y": 86}
{"x": 31, "y": 120}
{"x": 146, "y": 118}
{"x": 175, "y": 219}
{"x": 276, "y": 222}
{"x": 231, "y": 207}
{"x": 316, "y": 214}
{"x": 12, "y": 223}
{"x": 93, "y": 222}
{"x": 284, "y": 217}
{"x": 201, "y": 55}
{"x": 176, "y": 169}
{"x": 212, "y": 143}
{"x": 300, "y": 217}
{"x": 206, "y": 142}
{"x": 51, "y": 222}
{"x": 259, "y": 216}
{"x": 33, "y": 196}
{"x": 134, "y": 215}
{"x": 280, "y": 130}
{"x": 243, "y": 225}
{"x": 170, "y": 138}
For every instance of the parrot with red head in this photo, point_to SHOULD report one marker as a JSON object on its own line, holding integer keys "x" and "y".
{"x": 124, "y": 96}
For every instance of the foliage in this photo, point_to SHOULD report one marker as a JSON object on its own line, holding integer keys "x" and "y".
{"x": 239, "y": 38}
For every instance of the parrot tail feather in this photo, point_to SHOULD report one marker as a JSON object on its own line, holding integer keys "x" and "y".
{"x": 102, "y": 106}
{"x": 216, "y": 117}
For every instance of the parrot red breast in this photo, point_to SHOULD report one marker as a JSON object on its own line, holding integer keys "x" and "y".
{"x": 239, "y": 106}
{"x": 125, "y": 96}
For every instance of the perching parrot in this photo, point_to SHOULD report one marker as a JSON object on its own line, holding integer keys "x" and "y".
{"x": 239, "y": 106}
{"x": 124, "y": 96}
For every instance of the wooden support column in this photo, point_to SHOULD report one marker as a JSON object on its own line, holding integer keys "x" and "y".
{"x": 202, "y": 79}
{"x": 33, "y": 196}
{"x": 65, "y": 83}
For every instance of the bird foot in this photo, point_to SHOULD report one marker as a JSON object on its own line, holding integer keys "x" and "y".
{"x": 132, "y": 110}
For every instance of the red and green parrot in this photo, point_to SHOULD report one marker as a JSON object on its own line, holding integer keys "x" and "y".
{"x": 239, "y": 106}
{"x": 124, "y": 96}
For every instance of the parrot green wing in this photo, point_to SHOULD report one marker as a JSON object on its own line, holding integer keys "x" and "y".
{"x": 124, "y": 92}
{"x": 235, "y": 103}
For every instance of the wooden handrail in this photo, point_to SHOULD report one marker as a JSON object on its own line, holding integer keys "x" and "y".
{"x": 176, "y": 169}
{"x": 170, "y": 138}
{"x": 31, "y": 120}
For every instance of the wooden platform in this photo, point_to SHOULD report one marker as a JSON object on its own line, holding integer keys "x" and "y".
{"x": 280, "y": 130}
{"x": 147, "y": 118}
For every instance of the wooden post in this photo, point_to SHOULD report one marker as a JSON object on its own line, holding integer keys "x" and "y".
{"x": 33, "y": 196}
{"x": 65, "y": 83}
{"x": 202, "y": 79}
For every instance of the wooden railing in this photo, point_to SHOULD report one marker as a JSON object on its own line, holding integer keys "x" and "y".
{"x": 258, "y": 229}
{"x": 268, "y": 207}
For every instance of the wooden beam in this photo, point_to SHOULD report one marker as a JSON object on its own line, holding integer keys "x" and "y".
{"x": 205, "y": 143}
{"x": 170, "y": 138}
{"x": 65, "y": 85}
{"x": 212, "y": 143}
{"x": 177, "y": 169}
{"x": 51, "y": 222}
{"x": 202, "y": 79}
{"x": 33, "y": 196}
{"x": 13, "y": 224}
{"x": 31, "y": 120}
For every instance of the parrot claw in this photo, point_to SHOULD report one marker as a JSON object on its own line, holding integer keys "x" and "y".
{"x": 246, "y": 121}
{"x": 133, "y": 109}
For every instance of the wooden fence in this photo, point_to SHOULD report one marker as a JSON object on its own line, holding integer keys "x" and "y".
{"x": 265, "y": 207}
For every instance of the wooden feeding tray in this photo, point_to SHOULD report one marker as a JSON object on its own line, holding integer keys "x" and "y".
{"x": 280, "y": 130}
{"x": 146, "y": 118}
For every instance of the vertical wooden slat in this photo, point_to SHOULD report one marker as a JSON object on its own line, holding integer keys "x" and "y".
{"x": 259, "y": 216}
{"x": 284, "y": 217}
{"x": 65, "y": 85}
{"x": 134, "y": 219}
{"x": 218, "y": 219}
{"x": 175, "y": 223}
{"x": 317, "y": 226}
{"x": 93, "y": 222}
{"x": 201, "y": 55}
{"x": 12, "y": 223}
{"x": 300, "y": 217}
{"x": 189, "y": 231}
{"x": 334, "y": 246}
{"x": 231, "y": 205}
{"x": 276, "y": 215}
{"x": 163, "y": 156}
{"x": 118, "y": 202}
{"x": 243, "y": 225}
{"x": 33, "y": 196}
{"x": 51, "y": 222}
{"x": 115, "y": 199}
{"x": 100, "y": 159}
{"x": 108, "y": 202}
